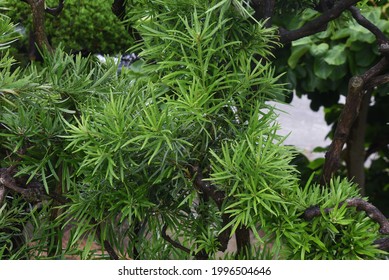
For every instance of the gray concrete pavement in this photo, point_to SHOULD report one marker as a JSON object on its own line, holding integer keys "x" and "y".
{"x": 306, "y": 128}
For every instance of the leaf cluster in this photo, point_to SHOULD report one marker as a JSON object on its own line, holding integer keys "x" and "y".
{"x": 343, "y": 50}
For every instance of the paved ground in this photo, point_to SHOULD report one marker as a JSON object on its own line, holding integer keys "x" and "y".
{"x": 307, "y": 128}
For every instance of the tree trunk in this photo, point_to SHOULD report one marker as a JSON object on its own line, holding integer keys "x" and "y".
{"x": 356, "y": 145}
{"x": 346, "y": 120}
{"x": 242, "y": 235}
{"x": 119, "y": 9}
{"x": 38, "y": 23}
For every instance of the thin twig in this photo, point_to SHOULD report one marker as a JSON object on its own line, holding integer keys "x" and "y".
{"x": 172, "y": 242}
{"x": 57, "y": 10}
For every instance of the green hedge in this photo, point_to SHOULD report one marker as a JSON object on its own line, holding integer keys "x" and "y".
{"x": 82, "y": 25}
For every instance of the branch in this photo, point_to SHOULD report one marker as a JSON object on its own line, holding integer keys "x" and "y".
{"x": 7, "y": 181}
{"x": 377, "y": 69}
{"x": 57, "y": 10}
{"x": 325, "y": 5}
{"x": 263, "y": 10}
{"x": 268, "y": 12}
{"x": 210, "y": 191}
{"x": 172, "y": 242}
{"x": 361, "y": 205}
{"x": 384, "y": 49}
{"x": 107, "y": 246}
{"x": 31, "y": 192}
{"x": 119, "y": 8}
{"x": 342, "y": 131}
{"x": 357, "y": 88}
{"x": 110, "y": 250}
{"x": 377, "y": 81}
{"x": 3, "y": 193}
{"x": 38, "y": 22}
{"x": 316, "y": 25}
{"x": 382, "y": 40}
{"x": 383, "y": 244}
{"x": 200, "y": 256}
{"x": 371, "y": 211}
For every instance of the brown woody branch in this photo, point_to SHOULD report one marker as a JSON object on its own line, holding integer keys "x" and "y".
{"x": 316, "y": 25}
{"x": 358, "y": 85}
{"x": 172, "y": 242}
{"x": 342, "y": 131}
{"x": 7, "y": 182}
{"x": 3, "y": 193}
{"x": 377, "y": 81}
{"x": 209, "y": 191}
{"x": 371, "y": 211}
{"x": 264, "y": 9}
{"x": 361, "y": 205}
{"x": 204, "y": 187}
{"x": 357, "y": 88}
{"x": 199, "y": 256}
{"x": 32, "y": 192}
{"x": 110, "y": 250}
{"x": 38, "y": 23}
{"x": 377, "y": 69}
{"x": 382, "y": 40}
{"x": 107, "y": 246}
{"x": 383, "y": 244}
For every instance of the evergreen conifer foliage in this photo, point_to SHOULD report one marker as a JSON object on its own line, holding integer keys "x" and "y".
{"x": 170, "y": 158}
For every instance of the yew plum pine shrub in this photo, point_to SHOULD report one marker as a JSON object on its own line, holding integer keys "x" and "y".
{"x": 169, "y": 159}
